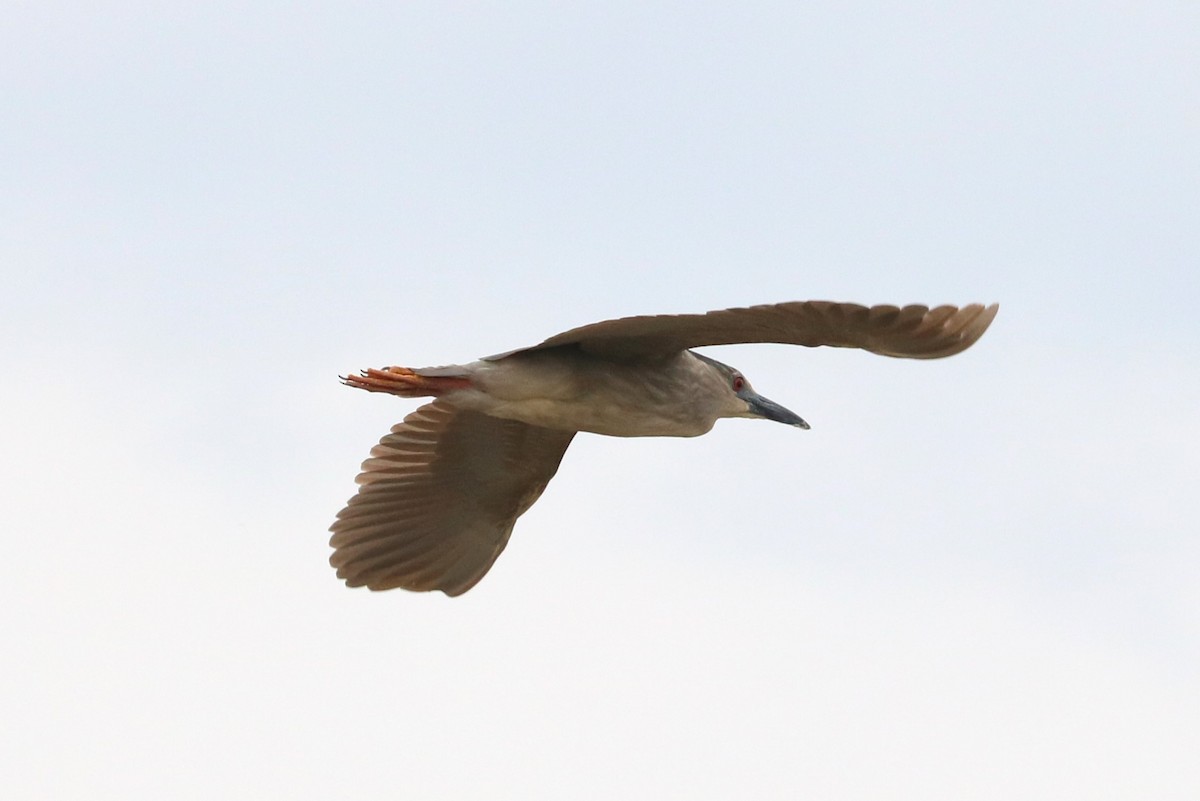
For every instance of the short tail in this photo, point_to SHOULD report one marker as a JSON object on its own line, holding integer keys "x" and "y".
{"x": 405, "y": 382}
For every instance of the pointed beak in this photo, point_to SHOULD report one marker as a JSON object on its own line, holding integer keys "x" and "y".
{"x": 769, "y": 409}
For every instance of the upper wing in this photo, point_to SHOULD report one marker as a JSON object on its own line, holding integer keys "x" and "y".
{"x": 915, "y": 332}
{"x": 439, "y": 498}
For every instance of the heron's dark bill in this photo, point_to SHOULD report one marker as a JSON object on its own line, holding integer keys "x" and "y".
{"x": 770, "y": 410}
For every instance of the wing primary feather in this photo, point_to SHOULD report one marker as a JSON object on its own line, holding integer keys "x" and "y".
{"x": 438, "y": 499}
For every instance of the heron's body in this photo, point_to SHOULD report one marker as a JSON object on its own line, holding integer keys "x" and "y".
{"x": 441, "y": 493}
{"x": 569, "y": 390}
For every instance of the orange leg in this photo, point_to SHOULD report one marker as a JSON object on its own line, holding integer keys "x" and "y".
{"x": 404, "y": 382}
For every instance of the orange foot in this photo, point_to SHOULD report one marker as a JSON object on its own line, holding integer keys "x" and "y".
{"x": 404, "y": 382}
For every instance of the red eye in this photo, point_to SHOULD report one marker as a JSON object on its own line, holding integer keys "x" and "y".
{"x": 738, "y": 383}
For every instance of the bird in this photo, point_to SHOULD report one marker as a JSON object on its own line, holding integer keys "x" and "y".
{"x": 440, "y": 494}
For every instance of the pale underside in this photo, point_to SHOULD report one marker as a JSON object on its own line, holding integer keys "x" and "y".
{"x": 441, "y": 493}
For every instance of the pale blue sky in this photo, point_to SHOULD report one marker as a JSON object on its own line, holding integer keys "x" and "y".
{"x": 974, "y": 578}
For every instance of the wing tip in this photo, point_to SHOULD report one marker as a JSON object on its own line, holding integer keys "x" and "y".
{"x": 916, "y": 331}
{"x": 980, "y": 320}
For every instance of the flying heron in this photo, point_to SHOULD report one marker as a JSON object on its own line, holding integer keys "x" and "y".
{"x": 440, "y": 494}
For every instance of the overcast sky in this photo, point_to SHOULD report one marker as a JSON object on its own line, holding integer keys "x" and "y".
{"x": 974, "y": 578}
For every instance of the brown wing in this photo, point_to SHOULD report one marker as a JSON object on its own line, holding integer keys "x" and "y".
{"x": 915, "y": 332}
{"x": 439, "y": 498}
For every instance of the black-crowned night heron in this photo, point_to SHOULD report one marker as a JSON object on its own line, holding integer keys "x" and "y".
{"x": 441, "y": 492}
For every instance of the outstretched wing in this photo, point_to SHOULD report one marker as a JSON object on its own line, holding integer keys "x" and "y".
{"x": 915, "y": 332}
{"x": 439, "y": 498}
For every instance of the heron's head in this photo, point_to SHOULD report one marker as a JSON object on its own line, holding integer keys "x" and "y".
{"x": 745, "y": 402}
